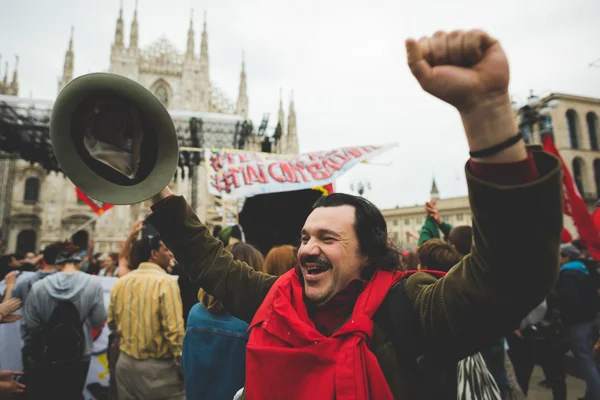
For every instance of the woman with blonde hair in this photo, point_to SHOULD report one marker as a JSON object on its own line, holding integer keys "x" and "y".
{"x": 214, "y": 346}
{"x": 280, "y": 260}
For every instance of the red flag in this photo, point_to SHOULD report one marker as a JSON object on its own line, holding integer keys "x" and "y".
{"x": 574, "y": 205}
{"x": 565, "y": 236}
{"x": 98, "y": 206}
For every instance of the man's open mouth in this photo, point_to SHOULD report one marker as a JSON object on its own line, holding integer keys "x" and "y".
{"x": 317, "y": 269}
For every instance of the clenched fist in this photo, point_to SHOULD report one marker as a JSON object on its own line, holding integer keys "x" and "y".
{"x": 461, "y": 68}
{"x": 469, "y": 70}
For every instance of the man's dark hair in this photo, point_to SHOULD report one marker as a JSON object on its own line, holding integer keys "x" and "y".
{"x": 462, "y": 238}
{"x": 52, "y": 251}
{"x": 437, "y": 255}
{"x": 145, "y": 247}
{"x": 370, "y": 228}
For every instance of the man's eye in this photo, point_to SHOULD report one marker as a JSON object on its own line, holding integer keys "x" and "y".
{"x": 304, "y": 240}
{"x": 328, "y": 239}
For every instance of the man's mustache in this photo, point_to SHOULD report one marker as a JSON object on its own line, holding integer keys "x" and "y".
{"x": 315, "y": 260}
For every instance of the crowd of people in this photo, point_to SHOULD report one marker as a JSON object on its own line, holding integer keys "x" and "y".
{"x": 345, "y": 314}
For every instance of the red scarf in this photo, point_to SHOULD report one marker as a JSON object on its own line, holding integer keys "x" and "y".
{"x": 287, "y": 357}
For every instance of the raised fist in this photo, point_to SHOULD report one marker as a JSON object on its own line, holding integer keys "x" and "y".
{"x": 462, "y": 68}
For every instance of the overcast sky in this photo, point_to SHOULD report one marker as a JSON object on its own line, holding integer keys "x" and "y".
{"x": 345, "y": 61}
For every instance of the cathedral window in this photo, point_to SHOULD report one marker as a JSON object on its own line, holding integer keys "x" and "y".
{"x": 26, "y": 241}
{"x": 162, "y": 94}
{"x": 32, "y": 188}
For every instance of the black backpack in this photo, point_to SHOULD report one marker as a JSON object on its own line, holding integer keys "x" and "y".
{"x": 63, "y": 339}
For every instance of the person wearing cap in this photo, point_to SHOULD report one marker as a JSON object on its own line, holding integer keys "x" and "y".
{"x": 67, "y": 284}
{"x": 577, "y": 299}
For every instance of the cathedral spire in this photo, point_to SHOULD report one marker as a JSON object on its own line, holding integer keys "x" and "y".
{"x": 5, "y": 80}
{"x": 292, "y": 136}
{"x": 281, "y": 116}
{"x": 204, "y": 43}
{"x": 435, "y": 194}
{"x": 242, "y": 103}
{"x": 68, "y": 66}
{"x": 189, "y": 54}
{"x": 119, "y": 30}
{"x": 14, "y": 85}
{"x": 134, "y": 35}
{"x": 1, "y": 84}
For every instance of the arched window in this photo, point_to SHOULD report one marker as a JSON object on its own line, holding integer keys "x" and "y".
{"x": 163, "y": 94}
{"x": 597, "y": 176}
{"x": 32, "y": 189}
{"x": 578, "y": 174}
{"x": 592, "y": 124}
{"x": 26, "y": 241}
{"x": 573, "y": 131}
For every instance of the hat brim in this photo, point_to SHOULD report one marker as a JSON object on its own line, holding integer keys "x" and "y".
{"x": 80, "y": 172}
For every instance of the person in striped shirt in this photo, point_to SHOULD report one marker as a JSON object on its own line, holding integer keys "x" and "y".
{"x": 145, "y": 308}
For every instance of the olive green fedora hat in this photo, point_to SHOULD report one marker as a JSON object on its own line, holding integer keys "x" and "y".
{"x": 113, "y": 138}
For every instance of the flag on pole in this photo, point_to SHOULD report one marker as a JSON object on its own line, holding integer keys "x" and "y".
{"x": 574, "y": 206}
{"x": 97, "y": 206}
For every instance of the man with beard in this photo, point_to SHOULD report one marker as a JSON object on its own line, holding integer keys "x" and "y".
{"x": 328, "y": 329}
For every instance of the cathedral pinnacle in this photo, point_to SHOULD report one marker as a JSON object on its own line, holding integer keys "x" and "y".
{"x": 242, "y": 103}
{"x": 435, "y": 194}
{"x": 281, "y": 116}
{"x": 292, "y": 136}
{"x": 68, "y": 66}
{"x": 14, "y": 86}
{"x": 134, "y": 35}
{"x": 204, "y": 43}
{"x": 189, "y": 54}
{"x": 119, "y": 29}
{"x": 5, "y": 80}
{"x": 71, "y": 39}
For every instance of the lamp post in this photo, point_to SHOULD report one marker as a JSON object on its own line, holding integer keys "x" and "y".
{"x": 360, "y": 187}
{"x": 536, "y": 111}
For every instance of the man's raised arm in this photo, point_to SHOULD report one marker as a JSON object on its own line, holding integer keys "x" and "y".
{"x": 238, "y": 286}
{"x": 515, "y": 199}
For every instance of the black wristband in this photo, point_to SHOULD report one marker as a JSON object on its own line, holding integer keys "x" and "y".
{"x": 497, "y": 148}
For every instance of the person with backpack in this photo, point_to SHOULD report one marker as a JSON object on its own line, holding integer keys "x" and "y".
{"x": 60, "y": 312}
{"x": 346, "y": 322}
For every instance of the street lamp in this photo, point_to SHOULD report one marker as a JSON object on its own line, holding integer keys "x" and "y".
{"x": 360, "y": 187}
{"x": 536, "y": 111}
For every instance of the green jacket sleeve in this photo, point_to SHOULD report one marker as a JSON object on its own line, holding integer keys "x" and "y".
{"x": 445, "y": 228}
{"x": 429, "y": 230}
{"x": 513, "y": 264}
{"x": 239, "y": 287}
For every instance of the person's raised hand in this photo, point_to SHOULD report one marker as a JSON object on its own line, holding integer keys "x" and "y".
{"x": 137, "y": 227}
{"x": 461, "y": 68}
{"x": 11, "y": 278}
{"x": 469, "y": 70}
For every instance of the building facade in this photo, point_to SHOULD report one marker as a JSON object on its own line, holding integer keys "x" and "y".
{"x": 404, "y": 223}
{"x": 38, "y": 208}
{"x": 572, "y": 122}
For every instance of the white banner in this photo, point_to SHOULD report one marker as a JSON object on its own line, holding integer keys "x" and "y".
{"x": 239, "y": 174}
